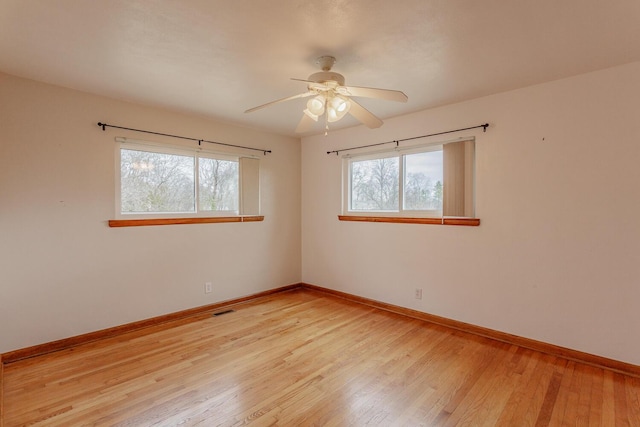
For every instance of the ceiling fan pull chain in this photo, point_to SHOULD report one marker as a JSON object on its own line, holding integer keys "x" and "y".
{"x": 326, "y": 117}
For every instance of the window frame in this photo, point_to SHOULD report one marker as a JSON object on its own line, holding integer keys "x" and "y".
{"x": 399, "y": 152}
{"x": 196, "y": 153}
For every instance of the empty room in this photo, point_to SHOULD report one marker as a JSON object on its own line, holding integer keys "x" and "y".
{"x": 330, "y": 213}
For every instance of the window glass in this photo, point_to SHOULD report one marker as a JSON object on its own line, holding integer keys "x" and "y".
{"x": 374, "y": 184}
{"x": 218, "y": 185}
{"x": 423, "y": 182}
{"x": 156, "y": 182}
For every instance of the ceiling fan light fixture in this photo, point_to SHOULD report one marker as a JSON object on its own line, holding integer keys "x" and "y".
{"x": 316, "y": 105}
{"x": 341, "y": 104}
{"x": 332, "y": 115}
{"x": 337, "y": 108}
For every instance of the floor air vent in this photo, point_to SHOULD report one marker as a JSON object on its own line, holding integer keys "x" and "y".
{"x": 220, "y": 313}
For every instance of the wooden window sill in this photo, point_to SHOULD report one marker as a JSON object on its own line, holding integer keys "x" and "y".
{"x": 474, "y": 222}
{"x": 174, "y": 221}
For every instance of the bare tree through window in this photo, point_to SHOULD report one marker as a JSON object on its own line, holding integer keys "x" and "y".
{"x": 218, "y": 185}
{"x": 423, "y": 181}
{"x": 374, "y": 184}
{"x": 154, "y": 182}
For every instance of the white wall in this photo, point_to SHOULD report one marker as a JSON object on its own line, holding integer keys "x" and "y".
{"x": 556, "y": 258}
{"x": 557, "y": 255}
{"x": 64, "y": 272}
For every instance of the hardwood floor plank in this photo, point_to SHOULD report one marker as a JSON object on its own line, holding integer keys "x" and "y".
{"x": 584, "y": 383}
{"x": 569, "y": 393}
{"x": 549, "y": 402}
{"x": 515, "y": 411}
{"x": 608, "y": 406}
{"x": 633, "y": 395}
{"x": 489, "y": 382}
{"x": 620, "y": 401}
{"x": 305, "y": 358}
{"x": 596, "y": 401}
{"x": 562, "y": 398}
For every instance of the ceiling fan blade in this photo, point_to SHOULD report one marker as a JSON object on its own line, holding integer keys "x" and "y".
{"x": 305, "y": 125}
{"x": 370, "y": 92}
{"x": 289, "y": 98}
{"x": 365, "y": 116}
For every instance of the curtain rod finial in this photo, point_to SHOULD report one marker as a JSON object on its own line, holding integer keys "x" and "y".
{"x": 102, "y": 125}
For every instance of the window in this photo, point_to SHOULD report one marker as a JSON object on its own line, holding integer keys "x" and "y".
{"x": 166, "y": 182}
{"x": 428, "y": 181}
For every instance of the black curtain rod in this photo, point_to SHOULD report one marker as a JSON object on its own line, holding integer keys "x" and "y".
{"x": 200, "y": 141}
{"x": 484, "y": 126}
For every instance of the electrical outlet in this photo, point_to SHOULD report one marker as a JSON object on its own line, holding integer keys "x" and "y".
{"x": 418, "y": 294}
{"x": 207, "y": 288}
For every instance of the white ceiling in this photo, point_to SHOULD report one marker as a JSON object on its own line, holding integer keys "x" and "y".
{"x": 217, "y": 58}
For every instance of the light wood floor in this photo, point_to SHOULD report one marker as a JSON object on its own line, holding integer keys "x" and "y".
{"x": 304, "y": 358}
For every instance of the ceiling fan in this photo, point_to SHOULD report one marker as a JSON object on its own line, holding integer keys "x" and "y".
{"x": 332, "y": 98}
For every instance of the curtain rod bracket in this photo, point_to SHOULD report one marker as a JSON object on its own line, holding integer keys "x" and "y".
{"x": 103, "y": 125}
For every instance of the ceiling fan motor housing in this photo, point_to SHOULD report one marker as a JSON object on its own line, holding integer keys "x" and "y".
{"x": 327, "y": 76}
